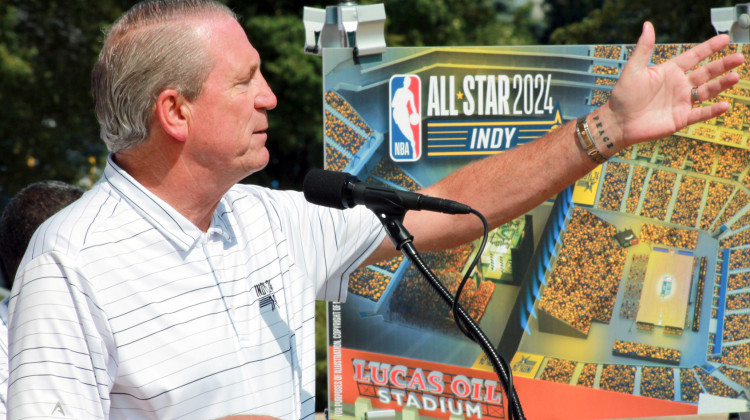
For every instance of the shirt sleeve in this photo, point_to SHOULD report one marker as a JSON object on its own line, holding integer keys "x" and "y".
{"x": 60, "y": 349}
{"x": 3, "y": 358}
{"x": 327, "y": 243}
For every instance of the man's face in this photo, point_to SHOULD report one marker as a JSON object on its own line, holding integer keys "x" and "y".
{"x": 229, "y": 122}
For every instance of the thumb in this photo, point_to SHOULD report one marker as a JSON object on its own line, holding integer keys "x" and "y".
{"x": 642, "y": 51}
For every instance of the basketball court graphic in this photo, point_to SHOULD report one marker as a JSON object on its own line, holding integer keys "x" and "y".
{"x": 666, "y": 289}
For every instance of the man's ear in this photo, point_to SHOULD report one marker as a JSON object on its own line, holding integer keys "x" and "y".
{"x": 171, "y": 112}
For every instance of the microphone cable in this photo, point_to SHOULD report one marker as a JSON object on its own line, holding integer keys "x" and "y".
{"x": 472, "y": 267}
{"x": 342, "y": 190}
{"x": 466, "y": 324}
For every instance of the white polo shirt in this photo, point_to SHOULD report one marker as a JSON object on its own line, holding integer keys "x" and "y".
{"x": 3, "y": 357}
{"x": 122, "y": 308}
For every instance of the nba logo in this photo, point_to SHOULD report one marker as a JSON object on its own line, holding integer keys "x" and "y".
{"x": 406, "y": 118}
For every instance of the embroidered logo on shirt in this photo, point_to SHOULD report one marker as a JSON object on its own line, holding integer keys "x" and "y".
{"x": 58, "y": 408}
{"x": 265, "y": 293}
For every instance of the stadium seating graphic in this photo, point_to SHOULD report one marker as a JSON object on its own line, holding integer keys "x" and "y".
{"x": 694, "y": 182}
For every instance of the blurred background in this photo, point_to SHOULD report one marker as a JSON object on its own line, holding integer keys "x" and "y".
{"x": 47, "y": 49}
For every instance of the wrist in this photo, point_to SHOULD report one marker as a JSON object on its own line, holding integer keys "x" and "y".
{"x": 606, "y": 132}
{"x": 583, "y": 132}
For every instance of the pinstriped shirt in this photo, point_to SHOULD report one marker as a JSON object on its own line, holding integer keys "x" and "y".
{"x": 3, "y": 357}
{"x": 124, "y": 309}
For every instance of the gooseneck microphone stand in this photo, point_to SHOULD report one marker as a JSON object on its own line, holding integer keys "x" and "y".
{"x": 392, "y": 219}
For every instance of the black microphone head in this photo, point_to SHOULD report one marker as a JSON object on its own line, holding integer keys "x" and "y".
{"x": 326, "y": 188}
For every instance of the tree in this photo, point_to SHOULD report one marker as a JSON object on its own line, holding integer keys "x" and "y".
{"x": 295, "y": 132}
{"x": 620, "y": 21}
{"x": 47, "y": 49}
{"x": 295, "y": 135}
{"x": 47, "y": 128}
{"x": 453, "y": 22}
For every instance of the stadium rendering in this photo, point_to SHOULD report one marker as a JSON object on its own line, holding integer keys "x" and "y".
{"x": 662, "y": 311}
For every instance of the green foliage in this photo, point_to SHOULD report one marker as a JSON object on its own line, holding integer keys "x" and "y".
{"x": 452, "y": 22}
{"x": 48, "y": 129}
{"x": 437, "y": 22}
{"x": 616, "y": 22}
{"x": 47, "y": 48}
{"x": 47, "y": 126}
{"x": 295, "y": 135}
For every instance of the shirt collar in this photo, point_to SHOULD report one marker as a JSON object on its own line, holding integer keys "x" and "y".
{"x": 4, "y": 310}
{"x": 173, "y": 225}
{"x": 219, "y": 224}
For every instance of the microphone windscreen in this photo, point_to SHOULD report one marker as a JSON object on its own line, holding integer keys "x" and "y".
{"x": 325, "y": 188}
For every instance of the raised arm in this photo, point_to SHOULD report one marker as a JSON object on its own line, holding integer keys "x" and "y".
{"x": 647, "y": 103}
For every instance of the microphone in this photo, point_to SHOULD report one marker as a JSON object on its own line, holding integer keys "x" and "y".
{"x": 342, "y": 190}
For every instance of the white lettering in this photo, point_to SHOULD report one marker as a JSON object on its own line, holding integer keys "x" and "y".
{"x": 429, "y": 402}
{"x": 338, "y": 383}
{"x": 491, "y": 95}
{"x": 503, "y": 94}
{"x": 433, "y": 98}
{"x": 400, "y": 148}
{"x": 497, "y": 138}
{"x": 383, "y": 395}
{"x": 490, "y": 106}
{"x": 399, "y": 395}
{"x": 492, "y": 138}
{"x": 452, "y": 92}
{"x": 509, "y": 133}
{"x": 468, "y": 97}
{"x": 492, "y": 395}
{"x": 413, "y": 401}
{"x": 443, "y": 109}
{"x": 480, "y": 92}
{"x": 473, "y": 409}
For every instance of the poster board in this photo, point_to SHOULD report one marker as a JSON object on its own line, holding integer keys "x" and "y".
{"x": 560, "y": 289}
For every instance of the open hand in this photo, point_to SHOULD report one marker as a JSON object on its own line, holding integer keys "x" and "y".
{"x": 648, "y": 103}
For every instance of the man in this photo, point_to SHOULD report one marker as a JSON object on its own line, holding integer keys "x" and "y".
{"x": 22, "y": 216}
{"x": 168, "y": 291}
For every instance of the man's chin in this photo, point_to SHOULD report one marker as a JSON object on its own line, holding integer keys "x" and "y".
{"x": 257, "y": 166}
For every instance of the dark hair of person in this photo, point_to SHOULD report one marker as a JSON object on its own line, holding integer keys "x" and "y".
{"x": 22, "y": 216}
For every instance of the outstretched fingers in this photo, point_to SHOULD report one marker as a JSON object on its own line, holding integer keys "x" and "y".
{"x": 715, "y": 68}
{"x": 700, "y": 52}
{"x": 710, "y": 79}
{"x": 714, "y": 87}
{"x": 703, "y": 113}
